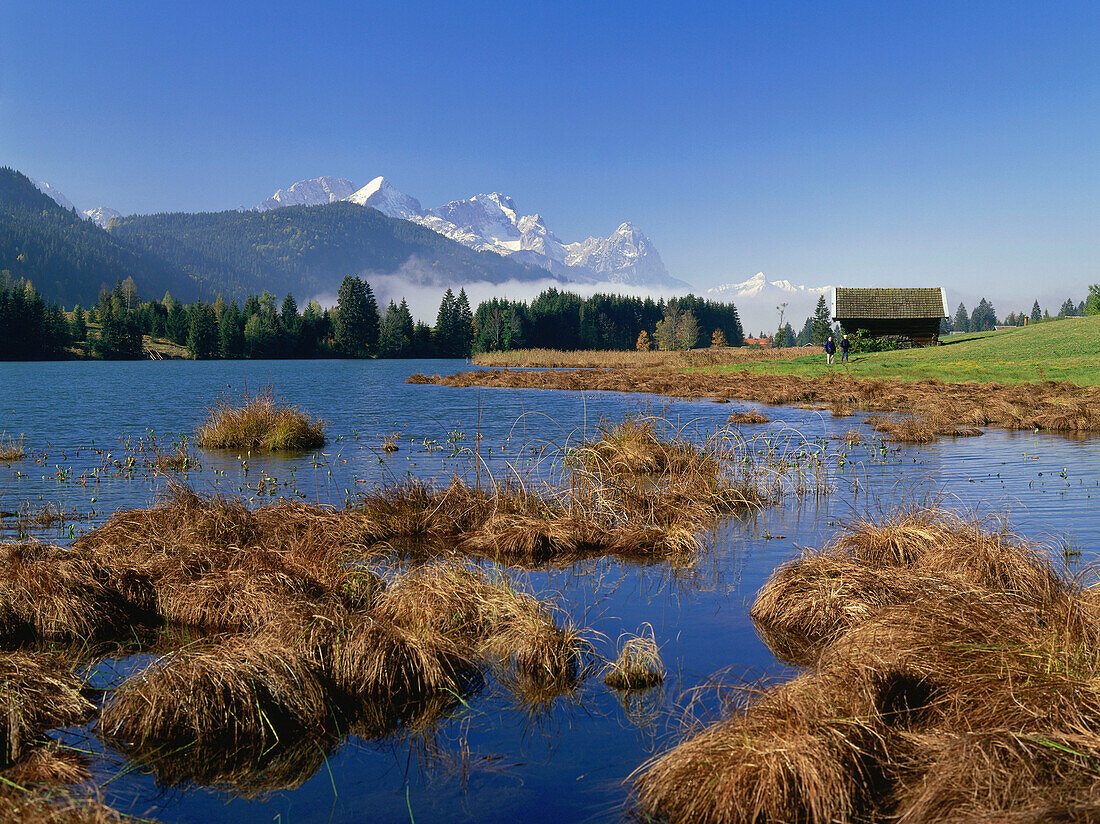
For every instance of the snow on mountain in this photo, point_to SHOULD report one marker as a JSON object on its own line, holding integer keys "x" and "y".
{"x": 58, "y": 198}
{"x": 312, "y": 192}
{"x": 380, "y": 194}
{"x": 760, "y": 301}
{"x": 101, "y": 215}
{"x": 493, "y": 223}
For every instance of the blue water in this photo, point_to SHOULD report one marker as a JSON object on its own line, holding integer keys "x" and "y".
{"x": 570, "y": 763}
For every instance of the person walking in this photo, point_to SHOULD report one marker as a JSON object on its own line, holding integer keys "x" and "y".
{"x": 845, "y": 345}
{"x": 830, "y": 349}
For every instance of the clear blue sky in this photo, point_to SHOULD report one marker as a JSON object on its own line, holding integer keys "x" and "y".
{"x": 878, "y": 143}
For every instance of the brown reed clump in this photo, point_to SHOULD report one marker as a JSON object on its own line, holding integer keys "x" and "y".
{"x": 638, "y": 665}
{"x": 939, "y": 409}
{"x": 37, "y": 693}
{"x": 54, "y": 593}
{"x": 635, "y": 447}
{"x": 49, "y": 764}
{"x": 749, "y": 417}
{"x": 259, "y": 422}
{"x": 11, "y": 449}
{"x": 953, "y": 676}
{"x": 233, "y": 692}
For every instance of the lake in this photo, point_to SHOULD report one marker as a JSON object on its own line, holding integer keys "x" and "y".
{"x": 492, "y": 760}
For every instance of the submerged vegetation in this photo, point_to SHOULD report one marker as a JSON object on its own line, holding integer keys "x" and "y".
{"x": 259, "y": 422}
{"x": 949, "y": 674}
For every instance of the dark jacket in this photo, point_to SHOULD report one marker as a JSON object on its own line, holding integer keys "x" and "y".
{"x": 830, "y": 347}
{"x": 844, "y": 344}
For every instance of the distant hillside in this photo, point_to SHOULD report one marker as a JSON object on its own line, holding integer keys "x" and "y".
{"x": 307, "y": 250}
{"x": 68, "y": 258}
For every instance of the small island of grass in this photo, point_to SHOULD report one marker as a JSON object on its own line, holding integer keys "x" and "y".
{"x": 259, "y": 422}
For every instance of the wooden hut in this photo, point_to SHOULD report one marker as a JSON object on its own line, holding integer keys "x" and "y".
{"x": 912, "y": 315}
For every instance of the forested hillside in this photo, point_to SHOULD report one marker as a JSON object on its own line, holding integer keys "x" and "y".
{"x": 67, "y": 258}
{"x": 307, "y": 250}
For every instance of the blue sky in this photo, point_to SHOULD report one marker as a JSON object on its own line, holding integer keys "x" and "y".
{"x": 883, "y": 143}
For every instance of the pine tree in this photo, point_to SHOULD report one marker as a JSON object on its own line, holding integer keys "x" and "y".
{"x": 446, "y": 326}
{"x": 464, "y": 335}
{"x": 1036, "y": 312}
{"x": 202, "y": 340}
{"x": 231, "y": 332}
{"x": 983, "y": 318}
{"x": 356, "y": 322}
{"x": 822, "y": 323}
{"x": 962, "y": 320}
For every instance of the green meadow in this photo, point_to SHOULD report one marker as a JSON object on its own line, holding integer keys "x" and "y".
{"x": 1062, "y": 350}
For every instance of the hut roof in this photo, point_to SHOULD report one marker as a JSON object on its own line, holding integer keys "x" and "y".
{"x": 889, "y": 303}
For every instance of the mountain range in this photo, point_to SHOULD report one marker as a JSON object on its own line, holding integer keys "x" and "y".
{"x": 760, "y": 301}
{"x": 493, "y": 223}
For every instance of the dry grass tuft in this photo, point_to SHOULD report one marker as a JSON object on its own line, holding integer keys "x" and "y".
{"x": 259, "y": 422}
{"x": 226, "y": 693}
{"x": 952, "y": 677}
{"x": 11, "y": 449}
{"x": 750, "y": 417}
{"x": 54, "y": 807}
{"x": 37, "y": 693}
{"x": 638, "y": 665}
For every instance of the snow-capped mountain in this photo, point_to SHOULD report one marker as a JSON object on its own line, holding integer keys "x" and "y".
{"x": 313, "y": 192}
{"x": 493, "y": 223}
{"x": 381, "y": 195}
{"x": 101, "y": 215}
{"x": 58, "y": 198}
{"x": 760, "y": 301}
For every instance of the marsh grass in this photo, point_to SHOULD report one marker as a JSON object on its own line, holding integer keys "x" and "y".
{"x": 259, "y": 422}
{"x": 638, "y": 665}
{"x": 11, "y": 449}
{"x": 920, "y": 409}
{"x": 750, "y": 417}
{"x": 37, "y": 693}
{"x": 950, "y": 675}
{"x": 554, "y": 358}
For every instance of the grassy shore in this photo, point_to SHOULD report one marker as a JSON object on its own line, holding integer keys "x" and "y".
{"x": 632, "y": 359}
{"x": 1065, "y": 350}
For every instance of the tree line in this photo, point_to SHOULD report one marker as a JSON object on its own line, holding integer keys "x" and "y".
{"x": 356, "y": 327}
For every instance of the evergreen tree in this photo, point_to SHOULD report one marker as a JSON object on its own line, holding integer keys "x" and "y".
{"x": 290, "y": 323}
{"x": 393, "y": 342}
{"x": 352, "y": 323}
{"x": 79, "y": 326}
{"x": 178, "y": 325}
{"x": 231, "y": 332}
{"x": 822, "y": 323}
{"x": 202, "y": 339}
{"x": 464, "y": 334}
{"x": 1092, "y": 302}
{"x": 983, "y": 318}
{"x": 446, "y": 326}
{"x": 962, "y": 320}
{"x": 1036, "y": 312}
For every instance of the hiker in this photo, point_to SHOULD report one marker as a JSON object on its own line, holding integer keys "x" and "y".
{"x": 845, "y": 345}
{"x": 830, "y": 348}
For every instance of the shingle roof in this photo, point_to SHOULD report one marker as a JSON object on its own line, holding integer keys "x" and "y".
{"x": 889, "y": 303}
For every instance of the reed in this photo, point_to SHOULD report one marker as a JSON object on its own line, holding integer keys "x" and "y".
{"x": 226, "y": 693}
{"x": 936, "y": 409}
{"x": 11, "y": 449}
{"x": 37, "y": 693}
{"x": 259, "y": 422}
{"x": 951, "y": 676}
{"x": 638, "y": 665}
{"x": 750, "y": 417}
{"x": 54, "y": 807}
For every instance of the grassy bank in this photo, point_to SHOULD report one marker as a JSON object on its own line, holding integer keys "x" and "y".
{"x": 631, "y": 359}
{"x": 1065, "y": 350}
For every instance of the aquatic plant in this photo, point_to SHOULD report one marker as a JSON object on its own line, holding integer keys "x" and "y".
{"x": 38, "y": 693}
{"x": 11, "y": 449}
{"x": 258, "y": 422}
{"x": 749, "y": 417}
{"x": 951, "y": 675}
{"x": 638, "y": 665}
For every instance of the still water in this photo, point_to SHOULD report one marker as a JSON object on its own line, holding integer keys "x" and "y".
{"x": 493, "y": 761}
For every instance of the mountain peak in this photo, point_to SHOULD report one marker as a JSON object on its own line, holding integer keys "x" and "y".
{"x": 313, "y": 192}
{"x": 56, "y": 196}
{"x": 382, "y": 195}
